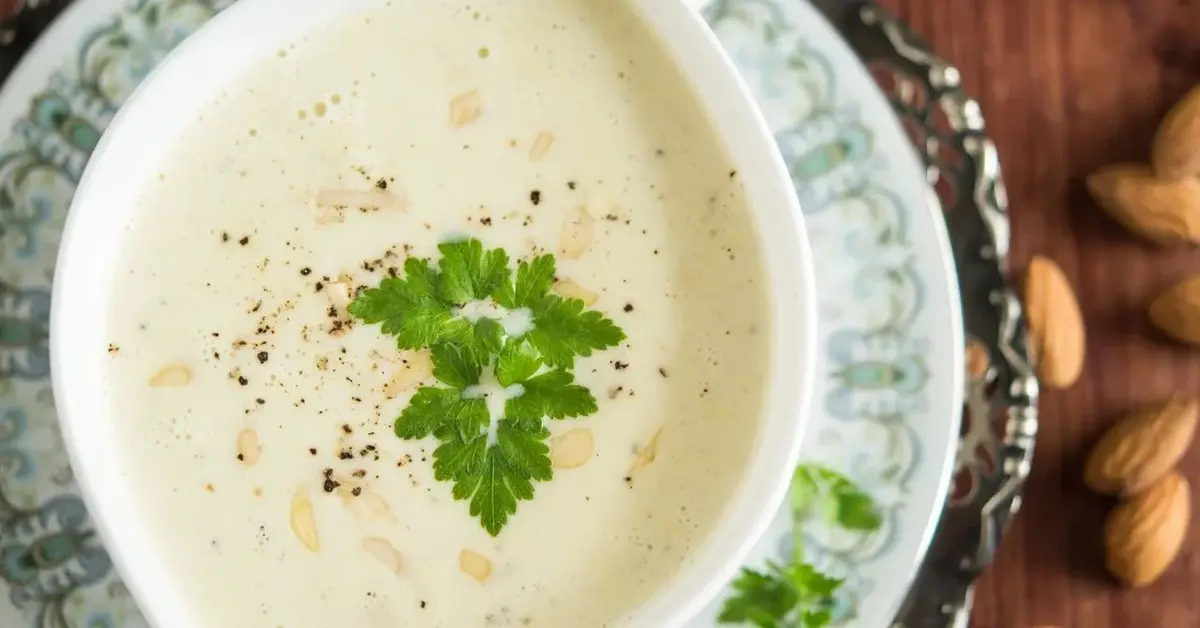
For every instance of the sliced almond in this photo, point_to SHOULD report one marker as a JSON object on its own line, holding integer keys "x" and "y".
{"x": 573, "y": 448}
{"x": 578, "y": 231}
{"x": 571, "y": 290}
{"x": 331, "y": 215}
{"x": 383, "y": 551}
{"x": 171, "y": 376}
{"x": 475, "y": 565}
{"x": 415, "y": 368}
{"x": 373, "y": 198}
{"x": 338, "y": 292}
{"x": 541, "y": 146}
{"x": 248, "y": 448}
{"x": 304, "y": 524}
{"x": 647, "y": 453}
{"x": 364, "y": 503}
{"x": 465, "y": 108}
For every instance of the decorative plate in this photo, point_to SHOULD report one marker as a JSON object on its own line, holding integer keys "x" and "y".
{"x": 888, "y": 405}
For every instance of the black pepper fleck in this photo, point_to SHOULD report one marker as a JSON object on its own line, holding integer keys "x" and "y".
{"x": 242, "y": 380}
{"x": 571, "y": 185}
{"x": 262, "y": 355}
{"x": 620, "y": 366}
{"x": 244, "y": 241}
{"x": 535, "y": 197}
{"x": 306, "y": 271}
{"x": 628, "y": 307}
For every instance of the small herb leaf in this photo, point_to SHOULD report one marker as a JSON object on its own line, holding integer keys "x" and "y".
{"x": 793, "y": 596}
{"x": 534, "y": 280}
{"x": 409, "y": 309}
{"x": 518, "y": 361}
{"x": 563, "y": 329}
{"x": 426, "y": 411}
{"x": 468, "y": 273}
{"x": 507, "y": 476}
{"x": 456, "y": 366}
{"x": 551, "y": 394}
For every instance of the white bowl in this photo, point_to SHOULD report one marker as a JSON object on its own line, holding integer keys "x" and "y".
{"x": 145, "y": 129}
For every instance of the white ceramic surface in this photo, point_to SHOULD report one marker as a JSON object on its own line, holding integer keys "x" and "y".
{"x": 207, "y": 63}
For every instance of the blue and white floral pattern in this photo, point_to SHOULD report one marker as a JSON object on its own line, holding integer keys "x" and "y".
{"x": 887, "y": 406}
{"x": 885, "y": 413}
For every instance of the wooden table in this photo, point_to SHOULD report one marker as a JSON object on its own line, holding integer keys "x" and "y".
{"x": 1067, "y": 86}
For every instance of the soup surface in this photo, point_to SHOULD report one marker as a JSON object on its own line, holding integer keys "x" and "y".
{"x": 257, "y": 415}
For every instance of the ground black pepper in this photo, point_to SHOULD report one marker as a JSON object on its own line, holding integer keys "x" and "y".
{"x": 262, "y": 355}
{"x": 244, "y": 241}
{"x": 535, "y": 197}
{"x": 306, "y": 271}
{"x": 628, "y": 307}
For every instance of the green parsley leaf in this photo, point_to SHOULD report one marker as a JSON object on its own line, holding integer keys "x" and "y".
{"x": 795, "y": 596}
{"x": 551, "y": 394}
{"x": 534, "y": 280}
{"x": 518, "y": 361}
{"x": 409, "y": 308}
{"x": 835, "y": 498}
{"x": 496, "y": 480}
{"x": 456, "y": 366}
{"x": 442, "y": 412}
{"x": 422, "y": 310}
{"x": 484, "y": 338}
{"x": 563, "y": 329}
{"x": 468, "y": 273}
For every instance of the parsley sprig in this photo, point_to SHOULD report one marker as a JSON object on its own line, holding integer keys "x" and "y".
{"x": 492, "y": 461}
{"x": 796, "y": 595}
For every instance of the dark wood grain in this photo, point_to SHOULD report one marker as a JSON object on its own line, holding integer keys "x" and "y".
{"x": 1066, "y": 86}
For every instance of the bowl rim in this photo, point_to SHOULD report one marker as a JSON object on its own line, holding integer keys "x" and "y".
{"x": 229, "y": 44}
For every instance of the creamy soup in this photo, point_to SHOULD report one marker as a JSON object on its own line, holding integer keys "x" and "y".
{"x": 257, "y": 415}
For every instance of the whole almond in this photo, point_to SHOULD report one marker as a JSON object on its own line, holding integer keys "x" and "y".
{"x": 1141, "y": 448}
{"x": 1165, "y": 211}
{"x": 1142, "y": 536}
{"x": 1176, "y": 150}
{"x": 1176, "y": 312}
{"x": 1056, "y": 330}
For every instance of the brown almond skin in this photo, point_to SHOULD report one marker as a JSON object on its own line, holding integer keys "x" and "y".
{"x": 1056, "y": 330}
{"x": 1142, "y": 448}
{"x": 1163, "y": 211}
{"x": 1176, "y": 149}
{"x": 1176, "y": 312}
{"x": 1142, "y": 536}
